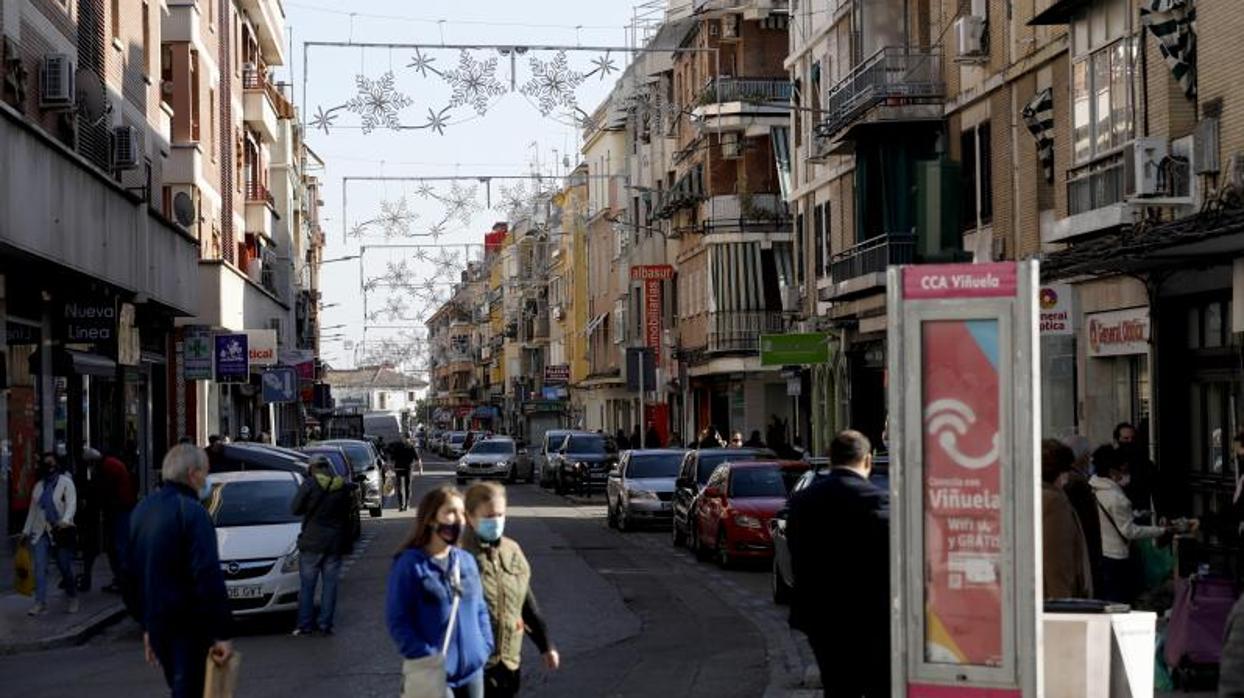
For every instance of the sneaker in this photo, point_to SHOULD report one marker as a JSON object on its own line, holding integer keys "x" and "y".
{"x": 38, "y": 609}
{"x": 299, "y": 632}
{"x": 74, "y": 605}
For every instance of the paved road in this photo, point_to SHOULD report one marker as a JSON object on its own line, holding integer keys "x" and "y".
{"x": 631, "y": 616}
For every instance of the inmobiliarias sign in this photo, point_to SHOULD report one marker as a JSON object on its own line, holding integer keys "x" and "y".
{"x": 652, "y": 276}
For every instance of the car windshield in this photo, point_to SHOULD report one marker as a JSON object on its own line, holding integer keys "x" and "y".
{"x": 493, "y": 447}
{"x": 589, "y": 444}
{"x": 335, "y": 457}
{"x": 757, "y": 482}
{"x": 358, "y": 453}
{"x": 711, "y": 458}
{"x": 663, "y": 465}
{"x": 252, "y": 503}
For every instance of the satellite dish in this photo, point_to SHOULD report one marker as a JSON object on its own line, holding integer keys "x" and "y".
{"x": 92, "y": 97}
{"x": 183, "y": 209}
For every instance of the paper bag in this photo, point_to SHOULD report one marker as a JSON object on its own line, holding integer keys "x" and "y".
{"x": 222, "y": 679}
{"x": 23, "y": 571}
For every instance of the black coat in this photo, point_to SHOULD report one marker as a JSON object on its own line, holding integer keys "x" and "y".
{"x": 327, "y": 517}
{"x": 839, "y": 536}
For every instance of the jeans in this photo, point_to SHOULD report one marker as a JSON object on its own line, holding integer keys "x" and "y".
{"x": 313, "y": 567}
{"x": 64, "y": 561}
{"x": 402, "y": 479}
{"x": 184, "y": 661}
{"x": 471, "y": 689}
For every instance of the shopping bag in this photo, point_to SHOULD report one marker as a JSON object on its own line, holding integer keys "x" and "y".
{"x": 390, "y": 483}
{"x": 24, "y": 571}
{"x": 222, "y": 679}
{"x": 1157, "y": 563}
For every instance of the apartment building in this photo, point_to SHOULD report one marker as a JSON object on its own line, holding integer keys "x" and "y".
{"x": 91, "y": 259}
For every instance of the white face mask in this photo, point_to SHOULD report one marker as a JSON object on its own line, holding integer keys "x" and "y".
{"x": 1125, "y": 480}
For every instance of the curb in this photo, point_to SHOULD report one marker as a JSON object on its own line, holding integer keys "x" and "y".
{"x": 75, "y": 636}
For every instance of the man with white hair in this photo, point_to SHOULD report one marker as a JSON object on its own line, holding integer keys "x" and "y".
{"x": 174, "y": 585}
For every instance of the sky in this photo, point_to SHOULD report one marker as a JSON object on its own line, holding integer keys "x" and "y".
{"x": 510, "y": 138}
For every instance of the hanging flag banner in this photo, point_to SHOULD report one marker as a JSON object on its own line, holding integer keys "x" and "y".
{"x": 232, "y": 359}
{"x": 964, "y": 426}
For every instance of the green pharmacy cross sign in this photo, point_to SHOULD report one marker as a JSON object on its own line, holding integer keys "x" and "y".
{"x": 793, "y": 349}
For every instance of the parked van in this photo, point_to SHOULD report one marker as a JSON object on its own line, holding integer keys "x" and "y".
{"x": 386, "y": 425}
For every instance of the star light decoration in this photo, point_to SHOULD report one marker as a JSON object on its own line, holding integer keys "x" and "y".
{"x": 552, "y": 84}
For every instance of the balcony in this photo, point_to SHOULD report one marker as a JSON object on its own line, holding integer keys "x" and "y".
{"x": 258, "y": 107}
{"x": 269, "y": 19}
{"x": 750, "y": 90}
{"x": 863, "y": 266}
{"x": 747, "y": 105}
{"x": 259, "y": 211}
{"x": 894, "y": 85}
{"x": 739, "y": 331}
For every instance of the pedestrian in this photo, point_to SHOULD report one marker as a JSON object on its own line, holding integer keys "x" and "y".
{"x": 468, "y": 442}
{"x": 736, "y": 440}
{"x": 652, "y": 437}
{"x": 1065, "y": 569}
{"x": 839, "y": 538}
{"x": 1118, "y": 524}
{"x": 1140, "y": 486}
{"x": 506, "y": 576}
{"x": 215, "y": 450}
{"x": 87, "y": 515}
{"x": 675, "y": 440}
{"x": 244, "y": 434}
{"x": 403, "y": 455}
{"x": 435, "y": 605}
{"x": 50, "y": 530}
{"x": 624, "y": 443}
{"x": 326, "y": 503}
{"x": 1075, "y": 484}
{"x": 174, "y": 585}
{"x": 754, "y": 441}
{"x": 709, "y": 438}
{"x": 636, "y": 438}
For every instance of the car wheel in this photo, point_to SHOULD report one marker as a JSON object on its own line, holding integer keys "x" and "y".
{"x": 676, "y": 536}
{"x": 461, "y": 481}
{"x": 624, "y": 524}
{"x": 722, "y": 551}
{"x": 375, "y": 512}
{"x": 781, "y": 590}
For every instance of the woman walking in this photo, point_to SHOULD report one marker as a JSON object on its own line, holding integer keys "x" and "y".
{"x": 506, "y": 577}
{"x": 435, "y": 609}
{"x": 325, "y": 501}
{"x": 50, "y": 531}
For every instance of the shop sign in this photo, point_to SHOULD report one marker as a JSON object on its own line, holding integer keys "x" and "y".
{"x": 280, "y": 385}
{"x": 554, "y": 392}
{"x": 1118, "y": 332}
{"x": 557, "y": 374}
{"x": 262, "y": 347}
{"x": 653, "y": 276}
{"x": 931, "y": 281}
{"x": 89, "y": 322}
{"x": 793, "y": 349}
{"x": 232, "y": 358}
{"x": 196, "y": 354}
{"x": 21, "y": 333}
{"x": 1054, "y": 302}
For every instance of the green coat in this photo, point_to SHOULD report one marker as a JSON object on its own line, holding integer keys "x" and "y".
{"x": 506, "y": 577}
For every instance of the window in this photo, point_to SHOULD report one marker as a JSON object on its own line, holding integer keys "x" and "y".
{"x": 211, "y": 123}
{"x": 194, "y": 96}
{"x": 818, "y": 224}
{"x": 146, "y": 38}
{"x": 115, "y": 18}
{"x": 410, "y": 396}
{"x": 976, "y": 153}
{"x": 801, "y": 256}
{"x": 1104, "y": 54}
{"x": 383, "y": 397}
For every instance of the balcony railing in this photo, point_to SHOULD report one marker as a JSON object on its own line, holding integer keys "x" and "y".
{"x": 258, "y": 193}
{"x": 753, "y": 90}
{"x": 740, "y": 330}
{"x": 892, "y": 73}
{"x": 257, "y": 79}
{"x": 873, "y": 256}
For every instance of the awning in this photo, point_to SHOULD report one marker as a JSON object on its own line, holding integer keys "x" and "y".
{"x": 1060, "y": 12}
{"x": 67, "y": 362}
{"x": 1173, "y": 24}
{"x": 1039, "y": 118}
{"x": 781, "y": 153}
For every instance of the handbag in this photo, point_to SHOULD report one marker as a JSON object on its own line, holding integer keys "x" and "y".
{"x": 221, "y": 680}
{"x": 424, "y": 677}
{"x": 23, "y": 571}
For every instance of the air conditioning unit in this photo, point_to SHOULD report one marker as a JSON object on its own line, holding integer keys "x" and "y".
{"x": 731, "y": 27}
{"x": 56, "y": 81}
{"x": 970, "y": 35}
{"x": 127, "y": 147}
{"x": 1147, "y": 157}
{"x": 731, "y": 146}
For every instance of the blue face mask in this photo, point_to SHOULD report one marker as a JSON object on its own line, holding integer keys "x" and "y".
{"x": 205, "y": 490}
{"x": 490, "y": 529}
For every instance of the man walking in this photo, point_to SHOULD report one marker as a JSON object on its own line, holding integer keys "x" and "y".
{"x": 174, "y": 586}
{"x": 839, "y": 533}
{"x": 403, "y": 455}
{"x": 325, "y": 501}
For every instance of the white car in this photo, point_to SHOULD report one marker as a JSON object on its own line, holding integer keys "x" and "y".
{"x": 258, "y": 538}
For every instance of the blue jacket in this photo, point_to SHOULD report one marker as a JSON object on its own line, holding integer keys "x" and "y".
{"x": 173, "y": 581}
{"x": 417, "y": 611}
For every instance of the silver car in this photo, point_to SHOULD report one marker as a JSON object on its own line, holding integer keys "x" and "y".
{"x": 495, "y": 457}
{"x": 641, "y": 488}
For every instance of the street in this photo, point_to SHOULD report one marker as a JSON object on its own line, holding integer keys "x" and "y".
{"x": 631, "y": 616}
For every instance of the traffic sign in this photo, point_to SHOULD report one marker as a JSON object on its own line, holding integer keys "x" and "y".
{"x": 280, "y": 385}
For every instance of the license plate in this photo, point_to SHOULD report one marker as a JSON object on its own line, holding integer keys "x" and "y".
{"x": 245, "y": 592}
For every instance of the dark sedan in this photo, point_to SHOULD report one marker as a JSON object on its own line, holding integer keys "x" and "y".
{"x": 232, "y": 458}
{"x": 583, "y": 462}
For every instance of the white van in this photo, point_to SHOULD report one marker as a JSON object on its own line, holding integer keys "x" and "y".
{"x": 386, "y": 425}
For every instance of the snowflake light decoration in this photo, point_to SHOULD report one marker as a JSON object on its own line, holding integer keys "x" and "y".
{"x": 396, "y": 273}
{"x": 514, "y": 199}
{"x": 421, "y": 255}
{"x": 474, "y": 82}
{"x": 395, "y": 307}
{"x": 461, "y": 203}
{"x": 378, "y": 102}
{"x": 552, "y": 84}
{"x": 604, "y": 66}
{"x": 395, "y": 218}
{"x": 423, "y": 64}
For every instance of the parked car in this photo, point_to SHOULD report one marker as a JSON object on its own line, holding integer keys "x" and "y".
{"x": 543, "y": 459}
{"x": 641, "y": 488}
{"x": 452, "y": 445}
{"x": 732, "y": 517}
{"x": 239, "y": 457}
{"x": 496, "y": 457}
{"x": 368, "y": 468}
{"x": 697, "y": 465}
{"x": 583, "y": 462}
{"x": 257, "y": 537}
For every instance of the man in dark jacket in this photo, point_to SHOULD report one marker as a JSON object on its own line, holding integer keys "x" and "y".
{"x": 174, "y": 586}
{"x": 325, "y": 501}
{"x": 839, "y": 534}
{"x": 403, "y": 454}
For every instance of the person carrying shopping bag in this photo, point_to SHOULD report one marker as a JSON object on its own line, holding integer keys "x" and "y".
{"x": 325, "y": 501}
{"x": 50, "y": 531}
{"x": 506, "y": 577}
{"x": 435, "y": 607}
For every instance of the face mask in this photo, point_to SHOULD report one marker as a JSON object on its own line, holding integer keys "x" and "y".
{"x": 205, "y": 490}
{"x": 1125, "y": 480}
{"x": 490, "y": 529}
{"x": 449, "y": 532}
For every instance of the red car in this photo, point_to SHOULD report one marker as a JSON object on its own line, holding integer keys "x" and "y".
{"x": 733, "y": 512}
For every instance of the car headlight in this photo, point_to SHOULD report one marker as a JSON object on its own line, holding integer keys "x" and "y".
{"x": 580, "y": 466}
{"x": 745, "y": 521}
{"x": 289, "y": 563}
{"x": 640, "y": 494}
{"x": 503, "y": 464}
